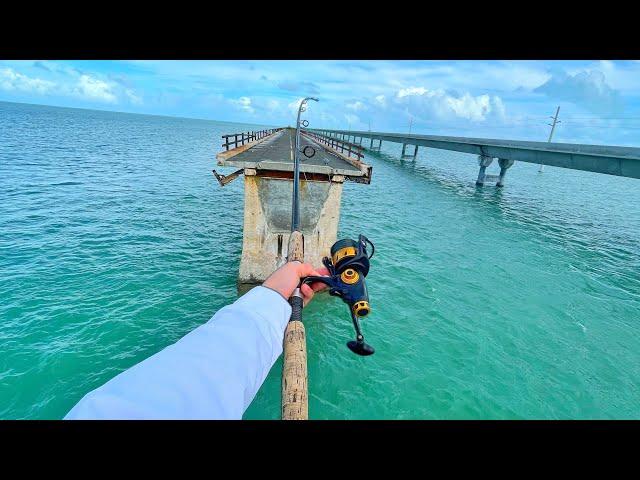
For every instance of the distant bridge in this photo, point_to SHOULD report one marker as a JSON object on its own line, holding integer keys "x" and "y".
{"x": 612, "y": 160}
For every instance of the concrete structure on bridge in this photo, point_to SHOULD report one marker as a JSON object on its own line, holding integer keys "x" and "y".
{"x": 612, "y": 160}
{"x": 266, "y": 160}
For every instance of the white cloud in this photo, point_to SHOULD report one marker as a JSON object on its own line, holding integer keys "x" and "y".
{"x": 244, "y": 103}
{"x": 425, "y": 103}
{"x": 94, "y": 89}
{"x": 471, "y": 108}
{"x": 406, "y": 92}
{"x": 12, "y": 80}
{"x": 588, "y": 89}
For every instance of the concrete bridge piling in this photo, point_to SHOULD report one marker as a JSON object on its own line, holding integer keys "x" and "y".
{"x": 415, "y": 151}
{"x": 267, "y": 165}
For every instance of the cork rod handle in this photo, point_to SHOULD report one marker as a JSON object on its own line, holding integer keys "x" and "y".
{"x": 294, "y": 368}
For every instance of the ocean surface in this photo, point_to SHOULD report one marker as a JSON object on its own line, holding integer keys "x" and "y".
{"x": 116, "y": 240}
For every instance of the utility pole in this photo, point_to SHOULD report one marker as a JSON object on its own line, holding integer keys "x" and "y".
{"x": 553, "y": 127}
{"x": 410, "y": 123}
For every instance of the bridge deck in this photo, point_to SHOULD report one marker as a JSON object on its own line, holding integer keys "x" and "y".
{"x": 612, "y": 160}
{"x": 275, "y": 153}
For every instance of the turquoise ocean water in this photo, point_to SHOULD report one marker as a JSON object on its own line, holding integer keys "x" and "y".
{"x": 116, "y": 240}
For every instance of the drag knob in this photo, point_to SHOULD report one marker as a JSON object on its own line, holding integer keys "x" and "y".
{"x": 349, "y": 276}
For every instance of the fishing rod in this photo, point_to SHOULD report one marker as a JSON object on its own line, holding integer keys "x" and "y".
{"x": 294, "y": 367}
{"x": 347, "y": 267}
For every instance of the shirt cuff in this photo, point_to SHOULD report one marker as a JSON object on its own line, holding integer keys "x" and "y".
{"x": 268, "y": 303}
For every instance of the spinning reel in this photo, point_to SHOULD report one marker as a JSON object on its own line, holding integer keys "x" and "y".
{"x": 348, "y": 267}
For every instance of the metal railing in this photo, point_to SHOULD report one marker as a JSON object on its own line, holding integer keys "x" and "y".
{"x": 338, "y": 145}
{"x": 248, "y": 137}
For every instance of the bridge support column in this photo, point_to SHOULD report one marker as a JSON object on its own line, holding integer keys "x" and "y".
{"x": 267, "y": 222}
{"x": 484, "y": 162}
{"x": 504, "y": 166}
{"x": 404, "y": 149}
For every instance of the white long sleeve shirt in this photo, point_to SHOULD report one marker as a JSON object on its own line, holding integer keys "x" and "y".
{"x": 214, "y": 372}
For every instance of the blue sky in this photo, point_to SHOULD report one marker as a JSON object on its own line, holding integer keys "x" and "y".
{"x": 599, "y": 100}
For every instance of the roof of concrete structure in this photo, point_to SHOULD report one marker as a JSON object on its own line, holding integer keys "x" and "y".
{"x": 276, "y": 153}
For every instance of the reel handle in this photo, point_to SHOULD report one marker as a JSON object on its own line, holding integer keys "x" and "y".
{"x": 357, "y": 346}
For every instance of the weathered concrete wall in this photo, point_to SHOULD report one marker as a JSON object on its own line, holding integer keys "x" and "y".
{"x": 267, "y": 222}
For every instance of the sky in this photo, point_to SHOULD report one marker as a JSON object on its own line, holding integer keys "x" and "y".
{"x": 599, "y": 100}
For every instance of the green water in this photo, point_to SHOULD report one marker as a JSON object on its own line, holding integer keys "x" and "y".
{"x": 116, "y": 240}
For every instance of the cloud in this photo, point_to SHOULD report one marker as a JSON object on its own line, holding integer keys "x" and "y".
{"x": 587, "y": 89}
{"x": 381, "y": 100}
{"x": 94, "y": 89}
{"x": 12, "y": 80}
{"x": 469, "y": 107}
{"x": 405, "y": 92}
{"x": 425, "y": 103}
{"x": 68, "y": 83}
{"x": 244, "y": 103}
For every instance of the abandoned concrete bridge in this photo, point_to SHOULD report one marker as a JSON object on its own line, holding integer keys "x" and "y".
{"x": 331, "y": 157}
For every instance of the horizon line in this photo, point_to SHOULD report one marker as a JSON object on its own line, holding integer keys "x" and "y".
{"x": 133, "y": 113}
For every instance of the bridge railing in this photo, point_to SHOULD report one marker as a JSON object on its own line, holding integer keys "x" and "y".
{"x": 346, "y": 148}
{"x": 248, "y": 137}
